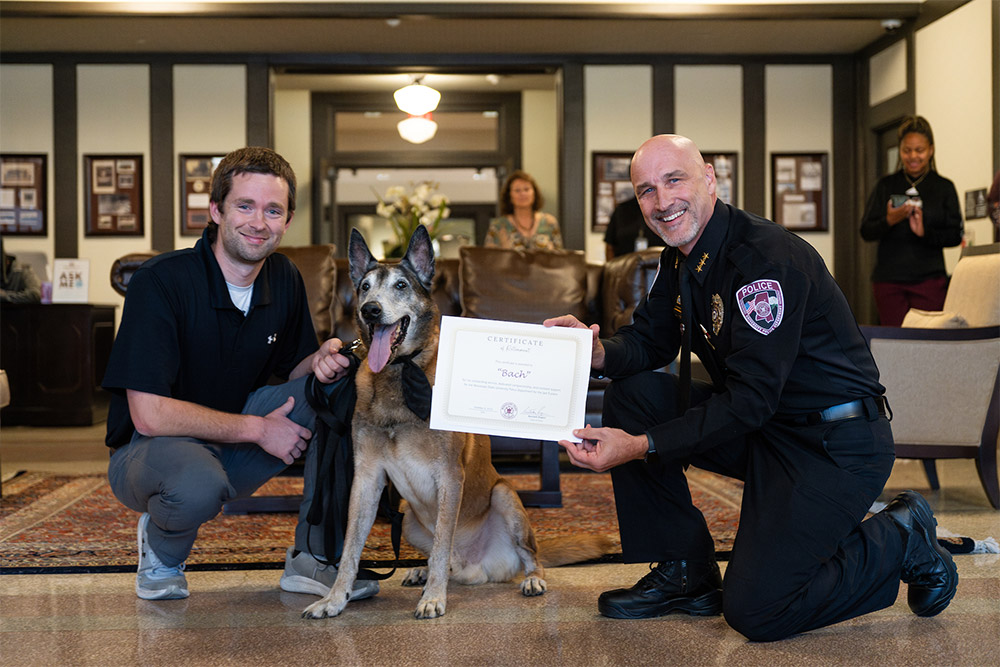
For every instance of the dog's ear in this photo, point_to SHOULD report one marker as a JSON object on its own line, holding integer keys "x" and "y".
{"x": 359, "y": 257}
{"x": 419, "y": 257}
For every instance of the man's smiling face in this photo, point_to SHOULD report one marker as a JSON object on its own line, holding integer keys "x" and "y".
{"x": 253, "y": 218}
{"x": 675, "y": 189}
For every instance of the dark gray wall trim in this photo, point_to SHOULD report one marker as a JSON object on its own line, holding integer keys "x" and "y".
{"x": 163, "y": 171}
{"x": 843, "y": 215}
{"x": 572, "y": 140}
{"x": 65, "y": 164}
{"x": 754, "y": 139}
{"x": 664, "y": 99}
{"x": 259, "y": 111}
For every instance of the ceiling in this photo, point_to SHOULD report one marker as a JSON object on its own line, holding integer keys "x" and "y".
{"x": 610, "y": 27}
{"x": 309, "y": 43}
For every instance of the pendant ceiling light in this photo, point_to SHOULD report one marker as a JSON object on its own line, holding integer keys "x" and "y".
{"x": 417, "y": 129}
{"x": 417, "y": 99}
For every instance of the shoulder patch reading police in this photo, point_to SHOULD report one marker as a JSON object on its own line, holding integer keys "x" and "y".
{"x": 762, "y": 305}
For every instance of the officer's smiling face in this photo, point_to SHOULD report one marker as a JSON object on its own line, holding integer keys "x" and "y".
{"x": 675, "y": 189}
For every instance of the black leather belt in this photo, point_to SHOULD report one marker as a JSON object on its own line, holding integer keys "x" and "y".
{"x": 862, "y": 407}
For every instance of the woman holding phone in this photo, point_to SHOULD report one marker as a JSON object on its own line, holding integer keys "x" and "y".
{"x": 912, "y": 213}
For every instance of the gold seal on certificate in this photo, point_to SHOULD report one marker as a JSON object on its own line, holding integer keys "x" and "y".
{"x": 513, "y": 379}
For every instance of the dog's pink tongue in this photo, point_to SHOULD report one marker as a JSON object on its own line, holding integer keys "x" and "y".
{"x": 381, "y": 348}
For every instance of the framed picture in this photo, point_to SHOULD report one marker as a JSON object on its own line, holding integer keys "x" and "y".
{"x": 196, "y": 182}
{"x": 611, "y": 186}
{"x": 113, "y": 195}
{"x": 726, "y": 180}
{"x": 23, "y": 198}
{"x": 799, "y": 191}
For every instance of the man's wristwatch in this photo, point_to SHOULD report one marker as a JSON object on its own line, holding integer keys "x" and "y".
{"x": 651, "y": 451}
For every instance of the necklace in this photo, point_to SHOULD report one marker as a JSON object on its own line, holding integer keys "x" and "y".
{"x": 524, "y": 231}
{"x": 913, "y": 184}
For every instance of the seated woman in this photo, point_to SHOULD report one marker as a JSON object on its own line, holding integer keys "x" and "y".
{"x": 522, "y": 225}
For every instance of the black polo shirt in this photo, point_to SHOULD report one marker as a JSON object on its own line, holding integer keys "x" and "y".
{"x": 182, "y": 337}
{"x": 771, "y": 326}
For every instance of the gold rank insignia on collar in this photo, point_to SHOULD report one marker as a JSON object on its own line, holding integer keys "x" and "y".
{"x": 701, "y": 263}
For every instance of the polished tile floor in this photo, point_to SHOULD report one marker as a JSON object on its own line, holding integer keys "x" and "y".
{"x": 242, "y": 618}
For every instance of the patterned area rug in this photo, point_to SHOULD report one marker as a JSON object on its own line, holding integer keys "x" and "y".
{"x": 51, "y": 523}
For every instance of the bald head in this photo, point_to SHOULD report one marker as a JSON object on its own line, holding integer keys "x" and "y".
{"x": 675, "y": 189}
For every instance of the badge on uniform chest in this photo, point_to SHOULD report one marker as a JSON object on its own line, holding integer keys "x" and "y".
{"x": 718, "y": 312}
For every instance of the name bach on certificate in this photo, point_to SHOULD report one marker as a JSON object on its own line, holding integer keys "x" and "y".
{"x": 511, "y": 379}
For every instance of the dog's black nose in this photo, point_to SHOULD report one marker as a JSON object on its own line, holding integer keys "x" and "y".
{"x": 371, "y": 311}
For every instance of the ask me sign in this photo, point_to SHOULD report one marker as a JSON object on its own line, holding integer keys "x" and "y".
{"x": 70, "y": 281}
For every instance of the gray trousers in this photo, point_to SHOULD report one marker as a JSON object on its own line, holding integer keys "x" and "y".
{"x": 183, "y": 482}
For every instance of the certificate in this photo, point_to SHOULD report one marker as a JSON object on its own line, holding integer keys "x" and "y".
{"x": 511, "y": 379}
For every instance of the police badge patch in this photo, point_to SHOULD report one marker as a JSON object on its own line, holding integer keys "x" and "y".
{"x": 762, "y": 305}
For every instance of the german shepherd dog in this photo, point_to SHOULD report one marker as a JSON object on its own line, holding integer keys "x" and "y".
{"x": 460, "y": 513}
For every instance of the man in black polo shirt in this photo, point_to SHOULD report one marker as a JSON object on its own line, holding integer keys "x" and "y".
{"x": 193, "y": 422}
{"x": 794, "y": 409}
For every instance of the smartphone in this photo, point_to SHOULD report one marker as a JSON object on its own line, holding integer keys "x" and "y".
{"x": 899, "y": 200}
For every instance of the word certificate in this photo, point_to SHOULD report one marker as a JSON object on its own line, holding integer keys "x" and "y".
{"x": 512, "y": 379}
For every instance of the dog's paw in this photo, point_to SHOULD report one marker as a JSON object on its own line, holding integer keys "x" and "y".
{"x": 533, "y": 586}
{"x": 324, "y": 609}
{"x": 430, "y": 608}
{"x": 416, "y": 577}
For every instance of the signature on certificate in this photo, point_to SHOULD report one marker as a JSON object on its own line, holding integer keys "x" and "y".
{"x": 536, "y": 413}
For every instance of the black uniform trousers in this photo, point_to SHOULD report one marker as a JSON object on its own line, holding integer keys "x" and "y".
{"x": 802, "y": 557}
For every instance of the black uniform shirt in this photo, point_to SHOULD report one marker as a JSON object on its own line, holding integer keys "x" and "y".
{"x": 182, "y": 337}
{"x": 770, "y": 325}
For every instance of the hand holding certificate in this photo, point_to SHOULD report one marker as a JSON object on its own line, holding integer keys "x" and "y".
{"x": 512, "y": 379}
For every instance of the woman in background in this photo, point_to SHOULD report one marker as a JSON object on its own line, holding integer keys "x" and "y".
{"x": 522, "y": 225}
{"x": 913, "y": 214}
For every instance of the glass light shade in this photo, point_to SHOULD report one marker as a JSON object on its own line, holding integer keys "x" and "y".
{"x": 417, "y": 129}
{"x": 417, "y": 99}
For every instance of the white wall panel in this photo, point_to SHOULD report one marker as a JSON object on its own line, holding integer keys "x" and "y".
{"x": 709, "y": 110}
{"x": 953, "y": 91}
{"x": 210, "y": 117}
{"x": 799, "y": 119}
{"x": 618, "y": 108}
{"x": 112, "y": 118}
{"x": 26, "y": 119}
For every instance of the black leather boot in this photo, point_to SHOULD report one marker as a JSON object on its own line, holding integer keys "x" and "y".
{"x": 676, "y": 586}
{"x": 927, "y": 567}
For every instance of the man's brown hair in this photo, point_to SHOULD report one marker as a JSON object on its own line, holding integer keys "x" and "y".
{"x": 253, "y": 160}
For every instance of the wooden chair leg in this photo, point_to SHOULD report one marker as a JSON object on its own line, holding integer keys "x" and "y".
{"x": 986, "y": 465}
{"x": 931, "y": 471}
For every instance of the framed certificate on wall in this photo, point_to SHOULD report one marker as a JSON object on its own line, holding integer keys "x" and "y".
{"x": 113, "y": 195}
{"x": 23, "y": 197}
{"x": 612, "y": 184}
{"x": 798, "y": 191}
{"x": 195, "y": 186}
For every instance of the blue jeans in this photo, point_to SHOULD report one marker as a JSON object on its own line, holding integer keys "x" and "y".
{"x": 184, "y": 482}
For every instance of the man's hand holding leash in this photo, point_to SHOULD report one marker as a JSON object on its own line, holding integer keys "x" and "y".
{"x": 328, "y": 363}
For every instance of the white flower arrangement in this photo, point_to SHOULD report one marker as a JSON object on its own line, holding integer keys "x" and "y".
{"x": 404, "y": 210}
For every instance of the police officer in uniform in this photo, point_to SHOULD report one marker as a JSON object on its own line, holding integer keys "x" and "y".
{"x": 794, "y": 409}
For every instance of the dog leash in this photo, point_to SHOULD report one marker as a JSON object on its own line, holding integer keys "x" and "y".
{"x": 335, "y": 471}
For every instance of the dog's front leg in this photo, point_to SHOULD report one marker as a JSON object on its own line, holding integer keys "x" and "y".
{"x": 365, "y": 494}
{"x": 434, "y": 600}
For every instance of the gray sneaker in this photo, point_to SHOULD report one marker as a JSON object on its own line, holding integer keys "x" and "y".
{"x": 156, "y": 581}
{"x": 305, "y": 574}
